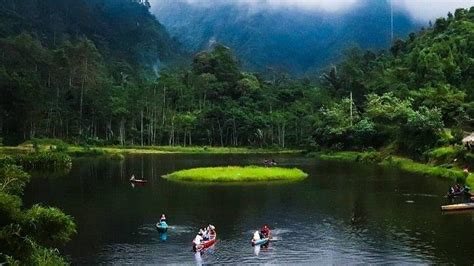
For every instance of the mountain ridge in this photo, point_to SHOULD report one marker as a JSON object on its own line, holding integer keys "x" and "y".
{"x": 294, "y": 40}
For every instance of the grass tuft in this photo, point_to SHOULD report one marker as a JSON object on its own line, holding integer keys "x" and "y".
{"x": 237, "y": 174}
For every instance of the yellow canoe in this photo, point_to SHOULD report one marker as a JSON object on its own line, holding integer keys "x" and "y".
{"x": 457, "y": 207}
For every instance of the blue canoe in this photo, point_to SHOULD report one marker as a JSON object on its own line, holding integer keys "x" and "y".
{"x": 260, "y": 242}
{"x": 162, "y": 227}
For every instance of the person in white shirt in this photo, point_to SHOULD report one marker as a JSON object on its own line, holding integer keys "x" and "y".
{"x": 256, "y": 236}
{"x": 197, "y": 240}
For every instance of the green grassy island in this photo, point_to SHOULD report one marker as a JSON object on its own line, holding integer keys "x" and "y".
{"x": 237, "y": 174}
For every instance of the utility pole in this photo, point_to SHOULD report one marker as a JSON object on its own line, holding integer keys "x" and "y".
{"x": 391, "y": 20}
{"x": 351, "y": 107}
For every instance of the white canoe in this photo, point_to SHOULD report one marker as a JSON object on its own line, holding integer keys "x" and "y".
{"x": 458, "y": 207}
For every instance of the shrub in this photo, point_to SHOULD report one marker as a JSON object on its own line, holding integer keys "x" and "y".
{"x": 6, "y": 160}
{"x": 13, "y": 179}
{"x": 49, "y": 226}
{"x": 9, "y": 208}
{"x": 44, "y": 160}
{"x": 45, "y": 256}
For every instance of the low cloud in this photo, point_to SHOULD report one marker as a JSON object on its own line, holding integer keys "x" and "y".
{"x": 425, "y": 10}
{"x": 422, "y": 10}
{"x": 309, "y": 5}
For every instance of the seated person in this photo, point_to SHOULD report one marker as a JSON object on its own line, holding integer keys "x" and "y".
{"x": 163, "y": 218}
{"x": 256, "y": 236}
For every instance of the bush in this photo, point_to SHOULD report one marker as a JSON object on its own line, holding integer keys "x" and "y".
{"x": 446, "y": 155}
{"x": 60, "y": 147}
{"x": 6, "y": 160}
{"x": 44, "y": 160}
{"x": 421, "y": 132}
{"x": 45, "y": 256}
{"x": 49, "y": 226}
{"x": 47, "y": 141}
{"x": 13, "y": 179}
{"x": 9, "y": 209}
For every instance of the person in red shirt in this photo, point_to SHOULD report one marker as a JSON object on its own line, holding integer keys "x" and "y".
{"x": 265, "y": 231}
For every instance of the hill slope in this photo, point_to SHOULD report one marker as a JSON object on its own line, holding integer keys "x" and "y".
{"x": 293, "y": 39}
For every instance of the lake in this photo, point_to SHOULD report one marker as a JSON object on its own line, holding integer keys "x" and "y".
{"x": 343, "y": 213}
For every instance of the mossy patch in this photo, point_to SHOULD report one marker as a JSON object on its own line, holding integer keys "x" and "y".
{"x": 237, "y": 174}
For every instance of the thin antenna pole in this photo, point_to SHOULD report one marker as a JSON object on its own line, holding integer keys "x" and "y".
{"x": 391, "y": 20}
{"x": 351, "y": 108}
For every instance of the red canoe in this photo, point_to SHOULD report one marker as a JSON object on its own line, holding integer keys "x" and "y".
{"x": 206, "y": 244}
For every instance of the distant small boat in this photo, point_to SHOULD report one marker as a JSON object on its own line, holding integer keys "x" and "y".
{"x": 458, "y": 207}
{"x": 140, "y": 181}
{"x": 161, "y": 227}
{"x": 260, "y": 242}
{"x": 206, "y": 244}
{"x": 463, "y": 192}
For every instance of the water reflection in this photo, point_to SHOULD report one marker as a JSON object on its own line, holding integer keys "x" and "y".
{"x": 164, "y": 236}
{"x": 342, "y": 214}
{"x": 256, "y": 250}
{"x": 198, "y": 258}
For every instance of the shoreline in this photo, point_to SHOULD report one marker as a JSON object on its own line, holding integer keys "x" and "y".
{"x": 75, "y": 150}
{"x": 402, "y": 163}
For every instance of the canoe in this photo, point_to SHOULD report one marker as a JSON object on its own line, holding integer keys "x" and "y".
{"x": 259, "y": 242}
{"x": 457, "y": 207}
{"x": 464, "y": 193}
{"x": 162, "y": 227}
{"x": 205, "y": 244}
{"x": 139, "y": 181}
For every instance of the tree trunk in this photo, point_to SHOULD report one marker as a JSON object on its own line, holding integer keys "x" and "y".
{"x": 122, "y": 131}
{"x": 83, "y": 84}
{"x": 141, "y": 127}
{"x": 220, "y": 133}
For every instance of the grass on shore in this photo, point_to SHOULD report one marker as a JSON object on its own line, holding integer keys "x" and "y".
{"x": 237, "y": 174}
{"x": 404, "y": 164}
{"x": 93, "y": 151}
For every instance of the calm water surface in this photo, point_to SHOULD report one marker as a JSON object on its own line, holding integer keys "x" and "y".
{"x": 342, "y": 213}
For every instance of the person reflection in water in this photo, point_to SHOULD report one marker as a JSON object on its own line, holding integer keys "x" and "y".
{"x": 359, "y": 214}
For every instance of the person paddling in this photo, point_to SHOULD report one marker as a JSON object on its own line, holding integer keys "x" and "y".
{"x": 197, "y": 240}
{"x": 163, "y": 218}
{"x": 132, "y": 178}
{"x": 265, "y": 231}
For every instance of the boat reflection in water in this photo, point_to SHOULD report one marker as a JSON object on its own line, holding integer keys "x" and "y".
{"x": 198, "y": 258}
{"x": 256, "y": 250}
{"x": 164, "y": 236}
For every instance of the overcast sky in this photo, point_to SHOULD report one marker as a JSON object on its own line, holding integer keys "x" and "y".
{"x": 422, "y": 10}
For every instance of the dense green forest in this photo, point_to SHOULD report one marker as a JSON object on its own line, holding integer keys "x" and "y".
{"x": 65, "y": 64}
{"x": 106, "y": 72}
{"x": 91, "y": 81}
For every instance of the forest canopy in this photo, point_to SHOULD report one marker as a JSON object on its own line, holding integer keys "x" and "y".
{"x": 90, "y": 78}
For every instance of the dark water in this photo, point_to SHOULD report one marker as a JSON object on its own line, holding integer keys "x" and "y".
{"x": 343, "y": 213}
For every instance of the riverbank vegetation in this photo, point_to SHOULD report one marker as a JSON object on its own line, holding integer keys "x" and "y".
{"x": 434, "y": 168}
{"x": 28, "y": 236}
{"x": 237, "y": 174}
{"x": 48, "y": 146}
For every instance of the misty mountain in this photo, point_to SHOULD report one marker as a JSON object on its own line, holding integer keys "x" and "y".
{"x": 295, "y": 40}
{"x": 123, "y": 30}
